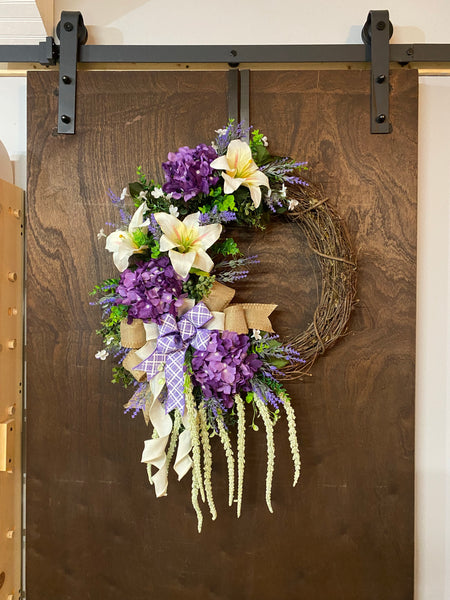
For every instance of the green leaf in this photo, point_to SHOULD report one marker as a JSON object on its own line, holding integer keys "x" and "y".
{"x": 227, "y": 248}
{"x": 226, "y": 203}
{"x": 279, "y": 363}
{"x": 262, "y": 156}
{"x": 155, "y": 251}
{"x": 140, "y": 238}
{"x": 199, "y": 272}
{"x": 135, "y": 189}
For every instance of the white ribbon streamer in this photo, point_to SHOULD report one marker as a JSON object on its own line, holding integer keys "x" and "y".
{"x": 183, "y": 460}
{"x": 154, "y": 452}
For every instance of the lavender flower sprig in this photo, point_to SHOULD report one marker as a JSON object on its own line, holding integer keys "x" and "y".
{"x": 154, "y": 228}
{"x": 234, "y": 269}
{"x": 233, "y": 131}
{"x": 269, "y": 349}
{"x": 216, "y": 216}
{"x": 282, "y": 170}
{"x": 273, "y": 201}
{"x": 120, "y": 203}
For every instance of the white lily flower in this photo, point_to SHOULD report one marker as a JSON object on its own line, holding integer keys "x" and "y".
{"x": 101, "y": 234}
{"x": 292, "y": 204}
{"x": 173, "y": 210}
{"x": 102, "y": 354}
{"x": 122, "y": 244}
{"x": 241, "y": 169}
{"x": 187, "y": 241}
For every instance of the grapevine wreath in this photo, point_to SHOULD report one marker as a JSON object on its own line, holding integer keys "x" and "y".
{"x": 200, "y": 365}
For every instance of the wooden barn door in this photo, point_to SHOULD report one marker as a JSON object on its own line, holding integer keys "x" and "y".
{"x": 94, "y": 528}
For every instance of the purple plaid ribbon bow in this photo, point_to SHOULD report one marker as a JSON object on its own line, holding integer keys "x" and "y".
{"x": 173, "y": 341}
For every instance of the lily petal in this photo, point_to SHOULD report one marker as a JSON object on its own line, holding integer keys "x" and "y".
{"x": 166, "y": 244}
{"x": 231, "y": 183}
{"x": 203, "y": 261}
{"x": 171, "y": 226}
{"x": 255, "y": 194}
{"x": 258, "y": 178}
{"x": 239, "y": 155}
{"x": 137, "y": 220}
{"x": 115, "y": 239}
{"x": 182, "y": 263}
{"x": 192, "y": 220}
{"x": 220, "y": 163}
{"x": 208, "y": 234}
{"x": 121, "y": 258}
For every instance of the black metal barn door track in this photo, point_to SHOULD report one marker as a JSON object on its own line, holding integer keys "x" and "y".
{"x": 376, "y": 49}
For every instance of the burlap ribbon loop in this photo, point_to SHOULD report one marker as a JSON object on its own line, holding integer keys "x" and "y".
{"x": 132, "y": 335}
{"x": 130, "y": 361}
{"x": 239, "y": 317}
{"x": 219, "y": 297}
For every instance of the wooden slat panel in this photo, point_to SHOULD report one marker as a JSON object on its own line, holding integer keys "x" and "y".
{"x": 11, "y": 355}
{"x": 94, "y": 526}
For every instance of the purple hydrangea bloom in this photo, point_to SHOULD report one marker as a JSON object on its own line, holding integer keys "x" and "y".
{"x": 188, "y": 172}
{"x": 226, "y": 367}
{"x": 151, "y": 290}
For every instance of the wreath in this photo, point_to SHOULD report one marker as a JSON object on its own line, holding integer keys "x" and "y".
{"x": 197, "y": 362}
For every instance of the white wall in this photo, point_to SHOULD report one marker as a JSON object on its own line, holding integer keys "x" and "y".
{"x": 13, "y": 121}
{"x": 433, "y": 344}
{"x": 289, "y": 21}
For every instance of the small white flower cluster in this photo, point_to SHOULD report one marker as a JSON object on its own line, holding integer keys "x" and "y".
{"x": 159, "y": 193}
{"x": 102, "y": 354}
{"x": 291, "y": 203}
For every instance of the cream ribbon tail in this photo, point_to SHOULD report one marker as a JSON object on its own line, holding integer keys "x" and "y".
{"x": 154, "y": 453}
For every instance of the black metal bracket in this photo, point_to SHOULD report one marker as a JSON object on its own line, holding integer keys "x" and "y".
{"x": 238, "y": 97}
{"x": 376, "y": 34}
{"x": 72, "y": 34}
{"x": 233, "y": 95}
{"x": 48, "y": 52}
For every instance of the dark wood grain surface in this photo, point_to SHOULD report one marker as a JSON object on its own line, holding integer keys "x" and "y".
{"x": 94, "y": 527}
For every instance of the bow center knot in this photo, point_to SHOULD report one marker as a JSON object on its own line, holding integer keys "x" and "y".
{"x": 187, "y": 330}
